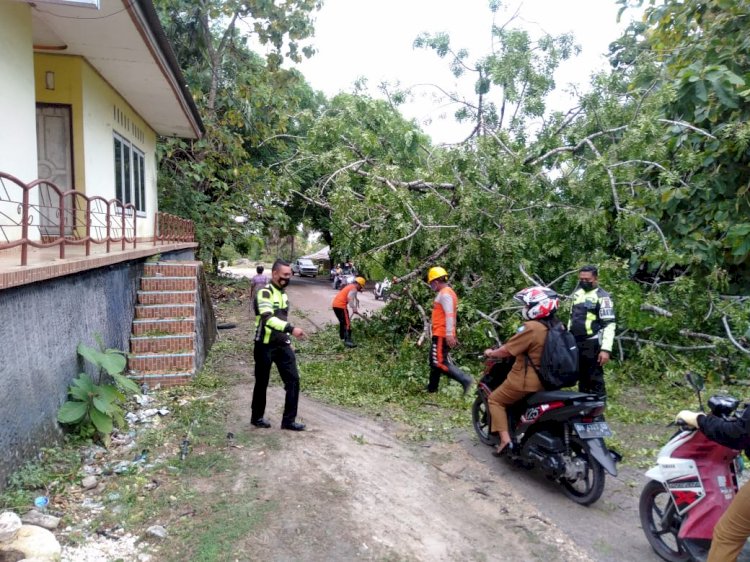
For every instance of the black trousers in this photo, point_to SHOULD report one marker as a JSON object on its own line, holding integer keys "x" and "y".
{"x": 286, "y": 362}
{"x": 591, "y": 373}
{"x": 438, "y": 362}
{"x": 343, "y": 317}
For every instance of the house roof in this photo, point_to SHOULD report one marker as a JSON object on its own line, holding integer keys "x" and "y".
{"x": 322, "y": 254}
{"x": 124, "y": 41}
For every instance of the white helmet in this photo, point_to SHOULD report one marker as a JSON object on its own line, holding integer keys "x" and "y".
{"x": 540, "y": 302}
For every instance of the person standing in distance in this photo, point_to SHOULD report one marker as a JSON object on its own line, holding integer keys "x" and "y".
{"x": 345, "y": 299}
{"x": 258, "y": 281}
{"x": 274, "y": 346}
{"x": 444, "y": 310}
{"x": 592, "y": 322}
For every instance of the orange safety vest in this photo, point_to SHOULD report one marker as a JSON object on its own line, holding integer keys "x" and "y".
{"x": 444, "y": 313}
{"x": 341, "y": 300}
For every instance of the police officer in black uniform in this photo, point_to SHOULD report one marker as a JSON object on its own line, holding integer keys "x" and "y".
{"x": 273, "y": 345}
{"x": 592, "y": 322}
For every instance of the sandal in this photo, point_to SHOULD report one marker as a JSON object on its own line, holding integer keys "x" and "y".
{"x": 500, "y": 451}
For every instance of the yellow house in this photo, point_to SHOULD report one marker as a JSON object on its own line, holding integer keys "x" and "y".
{"x": 88, "y": 85}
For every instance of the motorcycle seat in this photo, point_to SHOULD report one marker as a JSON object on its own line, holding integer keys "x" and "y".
{"x": 555, "y": 395}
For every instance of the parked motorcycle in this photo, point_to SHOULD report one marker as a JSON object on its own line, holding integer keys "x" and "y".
{"x": 383, "y": 290}
{"x": 559, "y": 432}
{"x": 691, "y": 486}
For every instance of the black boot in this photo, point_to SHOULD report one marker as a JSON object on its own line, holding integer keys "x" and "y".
{"x": 348, "y": 339}
{"x": 458, "y": 375}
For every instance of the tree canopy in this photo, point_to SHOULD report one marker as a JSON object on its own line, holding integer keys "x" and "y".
{"x": 646, "y": 176}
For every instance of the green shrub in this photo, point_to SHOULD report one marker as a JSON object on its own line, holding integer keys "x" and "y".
{"x": 94, "y": 408}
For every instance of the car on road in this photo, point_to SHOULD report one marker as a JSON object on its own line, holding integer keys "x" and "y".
{"x": 304, "y": 266}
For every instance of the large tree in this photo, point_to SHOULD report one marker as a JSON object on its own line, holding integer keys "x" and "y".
{"x": 249, "y": 105}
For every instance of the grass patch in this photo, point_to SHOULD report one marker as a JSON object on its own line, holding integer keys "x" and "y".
{"x": 219, "y": 535}
{"x": 50, "y": 473}
{"x": 382, "y": 378}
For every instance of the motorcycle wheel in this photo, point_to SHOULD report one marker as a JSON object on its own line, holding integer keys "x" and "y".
{"x": 586, "y": 490}
{"x": 480, "y": 419}
{"x": 661, "y": 522}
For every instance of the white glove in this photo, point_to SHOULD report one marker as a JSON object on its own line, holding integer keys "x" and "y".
{"x": 689, "y": 418}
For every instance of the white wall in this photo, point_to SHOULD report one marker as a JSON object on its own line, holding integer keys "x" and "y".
{"x": 100, "y": 122}
{"x": 18, "y": 152}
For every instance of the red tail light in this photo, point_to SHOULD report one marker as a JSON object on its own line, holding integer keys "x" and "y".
{"x": 598, "y": 411}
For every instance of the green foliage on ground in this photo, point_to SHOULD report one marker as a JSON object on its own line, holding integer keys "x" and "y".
{"x": 385, "y": 376}
{"x": 51, "y": 471}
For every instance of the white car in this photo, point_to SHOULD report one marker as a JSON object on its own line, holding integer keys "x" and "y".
{"x": 304, "y": 266}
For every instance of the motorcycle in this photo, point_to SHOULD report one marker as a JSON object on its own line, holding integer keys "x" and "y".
{"x": 691, "y": 486}
{"x": 343, "y": 279}
{"x": 559, "y": 432}
{"x": 383, "y": 290}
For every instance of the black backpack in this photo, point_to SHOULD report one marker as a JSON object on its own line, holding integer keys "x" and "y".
{"x": 559, "y": 365}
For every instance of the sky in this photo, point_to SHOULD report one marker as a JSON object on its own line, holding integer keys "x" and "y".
{"x": 374, "y": 39}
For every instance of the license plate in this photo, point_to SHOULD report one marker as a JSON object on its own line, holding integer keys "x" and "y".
{"x": 592, "y": 430}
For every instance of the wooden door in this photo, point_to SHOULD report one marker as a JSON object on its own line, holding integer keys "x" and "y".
{"x": 54, "y": 149}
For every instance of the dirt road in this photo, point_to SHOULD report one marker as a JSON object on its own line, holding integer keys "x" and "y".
{"x": 348, "y": 488}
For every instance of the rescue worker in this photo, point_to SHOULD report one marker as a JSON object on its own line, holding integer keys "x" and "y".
{"x": 526, "y": 345}
{"x": 345, "y": 299}
{"x": 733, "y": 529}
{"x": 273, "y": 346}
{"x": 444, "y": 310}
{"x": 592, "y": 322}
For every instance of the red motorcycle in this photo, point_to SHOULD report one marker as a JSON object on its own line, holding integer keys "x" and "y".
{"x": 691, "y": 486}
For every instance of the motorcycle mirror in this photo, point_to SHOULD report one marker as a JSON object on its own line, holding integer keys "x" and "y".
{"x": 492, "y": 334}
{"x": 697, "y": 382}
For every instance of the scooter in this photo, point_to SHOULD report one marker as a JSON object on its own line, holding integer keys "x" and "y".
{"x": 559, "y": 432}
{"x": 691, "y": 486}
{"x": 383, "y": 290}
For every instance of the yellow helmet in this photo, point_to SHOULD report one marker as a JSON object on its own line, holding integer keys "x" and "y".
{"x": 436, "y": 273}
{"x": 360, "y": 281}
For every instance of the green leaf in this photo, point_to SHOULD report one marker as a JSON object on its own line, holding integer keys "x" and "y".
{"x": 700, "y": 91}
{"x": 89, "y": 354}
{"x": 102, "y": 422}
{"x": 128, "y": 385}
{"x": 79, "y": 393}
{"x": 72, "y": 411}
{"x": 84, "y": 382}
{"x": 113, "y": 363}
{"x": 102, "y": 406}
{"x": 110, "y": 394}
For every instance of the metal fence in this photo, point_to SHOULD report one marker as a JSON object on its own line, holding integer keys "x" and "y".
{"x": 41, "y": 215}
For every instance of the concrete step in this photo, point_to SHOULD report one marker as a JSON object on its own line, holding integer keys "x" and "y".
{"x": 161, "y": 378}
{"x": 162, "y": 362}
{"x": 163, "y": 326}
{"x": 157, "y": 344}
{"x": 169, "y": 283}
{"x": 165, "y": 311}
{"x": 166, "y": 297}
{"x": 171, "y": 269}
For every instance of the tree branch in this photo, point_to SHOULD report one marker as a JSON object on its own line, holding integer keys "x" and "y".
{"x": 417, "y": 185}
{"x": 428, "y": 261}
{"x": 731, "y": 337}
{"x": 533, "y": 161}
{"x": 666, "y": 345}
{"x": 425, "y": 321}
{"x": 656, "y": 310}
